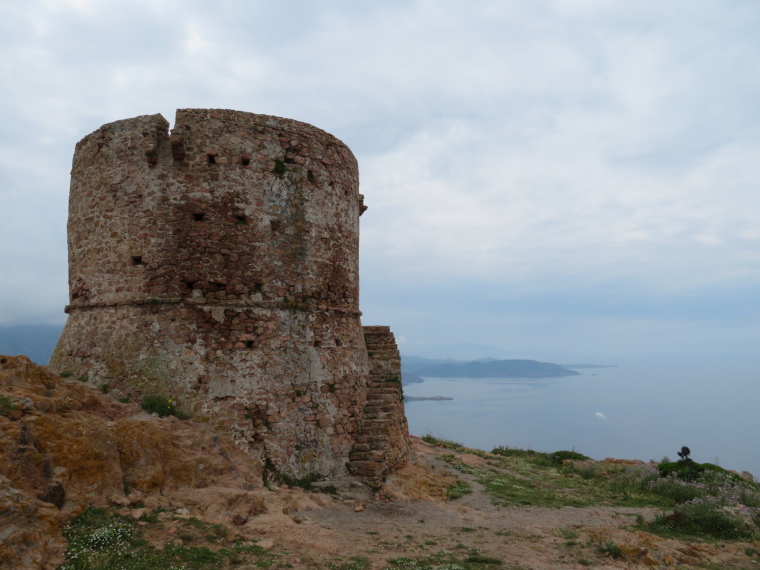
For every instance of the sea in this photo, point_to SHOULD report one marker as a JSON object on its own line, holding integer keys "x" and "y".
{"x": 635, "y": 410}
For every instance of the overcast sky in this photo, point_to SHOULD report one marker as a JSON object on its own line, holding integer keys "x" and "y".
{"x": 558, "y": 179}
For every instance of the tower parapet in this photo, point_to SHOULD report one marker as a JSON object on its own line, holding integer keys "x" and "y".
{"x": 218, "y": 265}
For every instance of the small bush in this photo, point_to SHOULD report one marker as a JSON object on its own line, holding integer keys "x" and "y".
{"x": 66, "y": 374}
{"x": 558, "y": 457}
{"x": 539, "y": 457}
{"x": 709, "y": 516}
{"x": 163, "y": 406}
{"x": 610, "y": 549}
{"x": 686, "y": 470}
{"x": 708, "y": 500}
{"x": 6, "y": 405}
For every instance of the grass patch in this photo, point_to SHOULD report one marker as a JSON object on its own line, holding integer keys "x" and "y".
{"x": 354, "y": 563}
{"x": 540, "y": 458}
{"x": 453, "y": 445}
{"x": 99, "y": 539}
{"x": 445, "y": 560}
{"x": 701, "y": 500}
{"x": 459, "y": 490}
{"x": 527, "y": 477}
{"x": 447, "y": 443}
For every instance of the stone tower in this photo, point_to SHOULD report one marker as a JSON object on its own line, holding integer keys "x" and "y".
{"x": 218, "y": 265}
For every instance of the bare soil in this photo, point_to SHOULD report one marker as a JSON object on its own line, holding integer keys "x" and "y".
{"x": 411, "y": 517}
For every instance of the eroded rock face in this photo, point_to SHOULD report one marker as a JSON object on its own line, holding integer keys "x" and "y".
{"x": 29, "y": 530}
{"x": 65, "y": 446}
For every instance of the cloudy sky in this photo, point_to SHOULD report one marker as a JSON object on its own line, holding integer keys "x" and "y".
{"x": 556, "y": 179}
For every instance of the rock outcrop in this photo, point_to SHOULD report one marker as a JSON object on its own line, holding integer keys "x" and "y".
{"x": 65, "y": 446}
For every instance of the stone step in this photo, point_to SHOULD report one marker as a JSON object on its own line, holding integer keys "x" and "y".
{"x": 366, "y": 456}
{"x": 371, "y": 439}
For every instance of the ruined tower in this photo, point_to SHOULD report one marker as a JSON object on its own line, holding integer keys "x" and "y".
{"x": 218, "y": 266}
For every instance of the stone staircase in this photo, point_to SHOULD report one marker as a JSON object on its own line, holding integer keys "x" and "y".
{"x": 382, "y": 441}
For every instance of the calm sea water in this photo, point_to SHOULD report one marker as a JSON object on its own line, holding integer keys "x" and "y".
{"x": 634, "y": 411}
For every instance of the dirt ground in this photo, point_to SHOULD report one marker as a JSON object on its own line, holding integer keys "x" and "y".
{"x": 411, "y": 518}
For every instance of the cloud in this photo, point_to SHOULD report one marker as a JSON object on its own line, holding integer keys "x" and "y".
{"x": 560, "y": 151}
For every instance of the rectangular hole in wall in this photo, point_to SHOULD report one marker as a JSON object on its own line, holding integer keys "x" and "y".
{"x": 211, "y": 159}
{"x": 245, "y": 160}
{"x": 275, "y": 225}
{"x": 242, "y": 220}
{"x": 248, "y": 343}
{"x": 137, "y": 260}
{"x": 337, "y": 342}
{"x": 257, "y": 288}
{"x": 317, "y": 343}
{"x": 198, "y": 216}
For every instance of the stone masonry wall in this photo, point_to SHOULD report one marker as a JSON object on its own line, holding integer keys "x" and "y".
{"x": 382, "y": 443}
{"x": 219, "y": 265}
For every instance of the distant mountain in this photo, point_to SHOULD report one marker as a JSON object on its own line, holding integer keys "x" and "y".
{"x": 35, "y": 341}
{"x": 412, "y": 363}
{"x": 411, "y": 378}
{"x": 494, "y": 369}
{"x": 581, "y": 366}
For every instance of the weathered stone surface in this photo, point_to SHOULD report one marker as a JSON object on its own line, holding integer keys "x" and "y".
{"x": 382, "y": 443}
{"x": 85, "y": 449}
{"x": 218, "y": 265}
{"x": 29, "y": 530}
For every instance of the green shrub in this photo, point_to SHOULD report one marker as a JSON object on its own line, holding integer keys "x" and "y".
{"x": 539, "y": 457}
{"x": 163, "y": 406}
{"x": 6, "y": 405}
{"x": 558, "y": 457}
{"x": 459, "y": 490}
{"x": 686, "y": 470}
{"x": 708, "y": 500}
{"x": 710, "y": 516}
{"x": 610, "y": 549}
{"x": 66, "y": 374}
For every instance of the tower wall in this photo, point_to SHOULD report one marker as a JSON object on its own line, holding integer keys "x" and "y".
{"x": 219, "y": 265}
